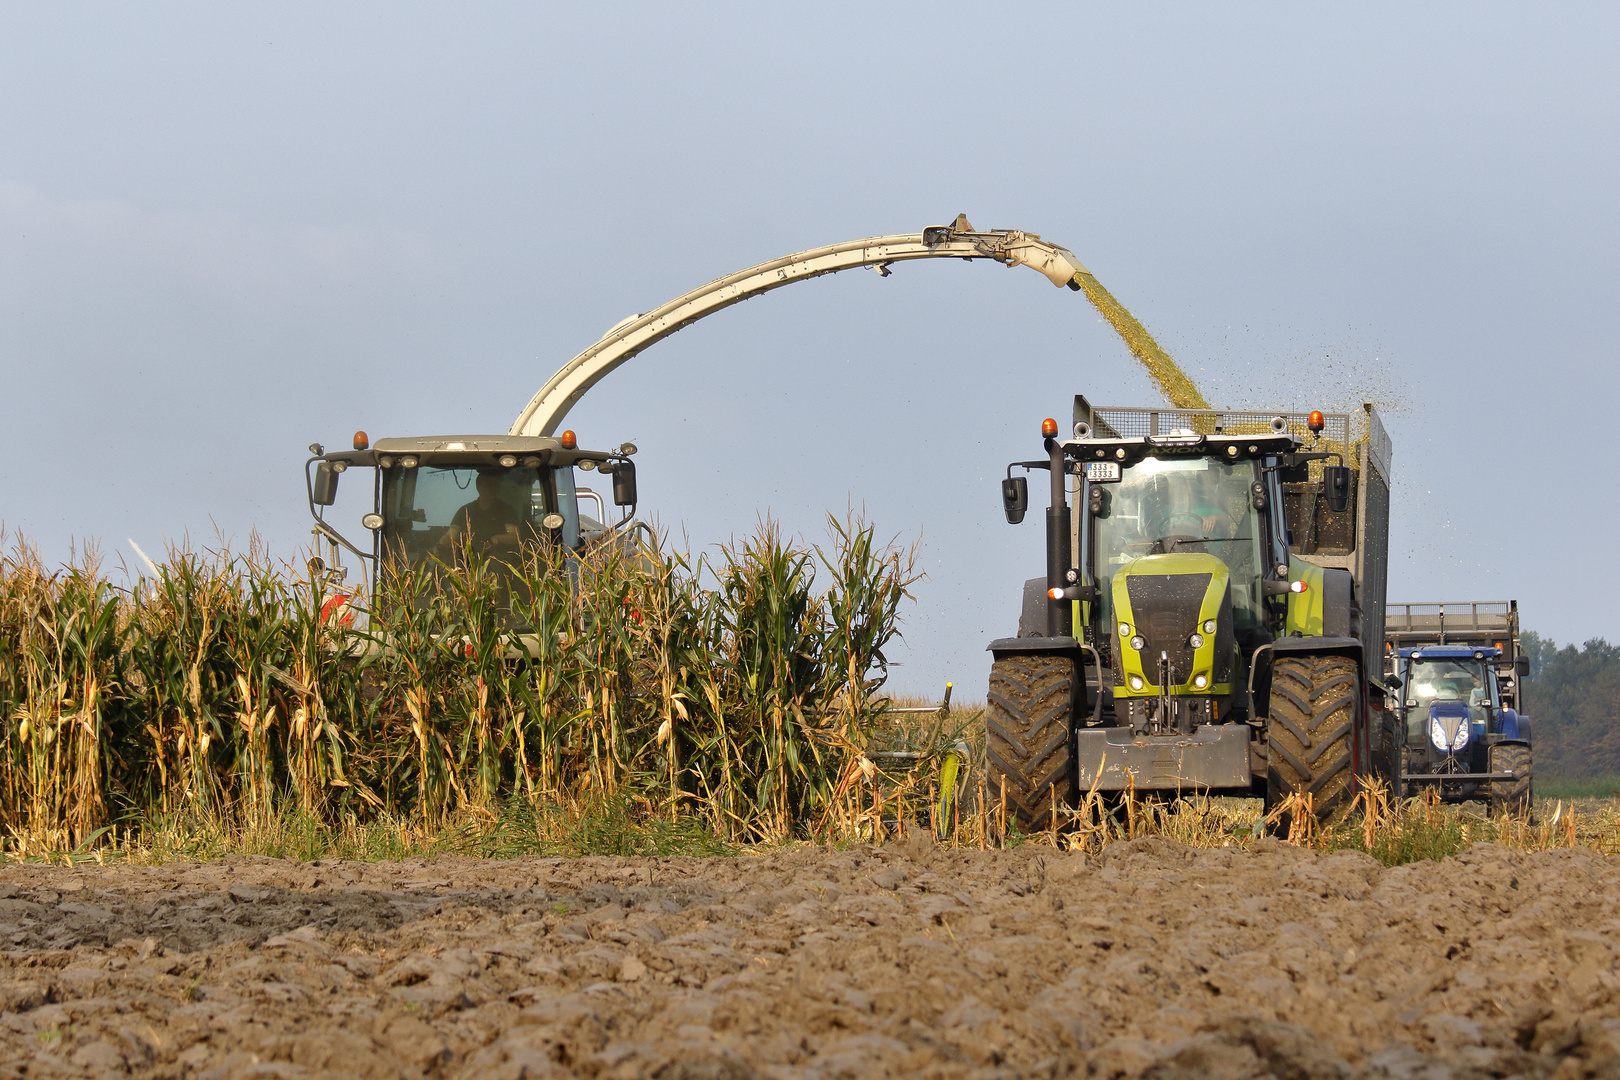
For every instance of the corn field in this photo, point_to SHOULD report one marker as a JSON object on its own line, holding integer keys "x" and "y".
{"x": 741, "y": 691}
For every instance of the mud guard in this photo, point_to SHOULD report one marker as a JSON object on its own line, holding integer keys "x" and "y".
{"x": 1515, "y": 728}
{"x": 1052, "y": 646}
{"x": 1326, "y": 646}
{"x": 1032, "y": 616}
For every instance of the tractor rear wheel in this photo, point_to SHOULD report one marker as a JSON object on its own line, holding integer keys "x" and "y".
{"x": 1511, "y": 796}
{"x": 1313, "y": 710}
{"x": 1027, "y": 734}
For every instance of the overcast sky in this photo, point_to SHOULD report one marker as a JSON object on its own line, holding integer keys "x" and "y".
{"x": 227, "y": 231}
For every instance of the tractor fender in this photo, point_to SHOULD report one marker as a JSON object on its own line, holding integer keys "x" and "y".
{"x": 1515, "y": 728}
{"x": 1290, "y": 646}
{"x": 1052, "y": 646}
{"x": 1338, "y": 598}
{"x": 1074, "y": 651}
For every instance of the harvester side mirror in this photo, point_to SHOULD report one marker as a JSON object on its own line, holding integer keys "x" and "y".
{"x": 1336, "y": 483}
{"x": 624, "y": 483}
{"x": 1015, "y": 498}
{"x": 324, "y": 491}
{"x": 1521, "y": 666}
{"x": 1257, "y": 495}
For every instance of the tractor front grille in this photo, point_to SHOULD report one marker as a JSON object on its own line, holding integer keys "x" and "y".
{"x": 1165, "y": 607}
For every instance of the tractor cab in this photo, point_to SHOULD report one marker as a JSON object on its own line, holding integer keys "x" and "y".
{"x": 500, "y": 497}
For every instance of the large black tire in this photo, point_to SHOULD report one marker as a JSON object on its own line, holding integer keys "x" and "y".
{"x": 1511, "y": 796}
{"x": 1308, "y": 736}
{"x": 1027, "y": 736}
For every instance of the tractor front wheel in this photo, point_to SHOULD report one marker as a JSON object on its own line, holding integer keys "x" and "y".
{"x": 1313, "y": 709}
{"x": 1511, "y": 796}
{"x": 1027, "y": 735}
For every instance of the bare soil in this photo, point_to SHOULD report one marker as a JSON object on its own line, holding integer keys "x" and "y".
{"x": 909, "y": 960}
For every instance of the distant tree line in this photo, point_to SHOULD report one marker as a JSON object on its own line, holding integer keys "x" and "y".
{"x": 1573, "y": 700}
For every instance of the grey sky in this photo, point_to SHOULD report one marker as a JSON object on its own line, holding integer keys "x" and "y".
{"x": 226, "y": 232}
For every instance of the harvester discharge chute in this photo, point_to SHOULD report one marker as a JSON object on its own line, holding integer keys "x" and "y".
{"x": 959, "y": 240}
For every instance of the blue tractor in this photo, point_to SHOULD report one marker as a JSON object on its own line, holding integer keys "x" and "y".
{"x": 1463, "y": 736}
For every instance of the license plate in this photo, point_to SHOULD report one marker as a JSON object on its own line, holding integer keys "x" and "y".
{"x": 1102, "y": 472}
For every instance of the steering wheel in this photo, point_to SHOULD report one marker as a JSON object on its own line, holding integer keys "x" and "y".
{"x": 1183, "y": 525}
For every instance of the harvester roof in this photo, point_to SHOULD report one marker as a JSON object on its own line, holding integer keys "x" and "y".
{"x": 528, "y": 450}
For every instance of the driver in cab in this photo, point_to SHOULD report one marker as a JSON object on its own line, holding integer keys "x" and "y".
{"x": 489, "y": 523}
{"x": 1201, "y": 511}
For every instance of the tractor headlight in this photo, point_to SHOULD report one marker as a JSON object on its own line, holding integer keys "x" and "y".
{"x": 1456, "y": 740}
{"x": 1124, "y": 629}
{"x": 1196, "y": 641}
{"x": 1209, "y": 626}
{"x": 1200, "y": 681}
{"x": 1138, "y": 643}
{"x": 1136, "y": 682}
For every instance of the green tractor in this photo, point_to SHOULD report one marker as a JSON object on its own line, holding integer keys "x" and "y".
{"x": 1212, "y": 615}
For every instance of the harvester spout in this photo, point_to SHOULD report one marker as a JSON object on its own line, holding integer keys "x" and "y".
{"x": 1058, "y": 264}
{"x": 958, "y": 240}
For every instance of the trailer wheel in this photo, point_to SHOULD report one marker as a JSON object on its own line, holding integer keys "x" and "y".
{"x": 1313, "y": 705}
{"x": 1027, "y": 734}
{"x": 1511, "y": 796}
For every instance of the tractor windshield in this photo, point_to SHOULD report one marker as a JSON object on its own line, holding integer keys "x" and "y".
{"x": 430, "y": 512}
{"x": 1431, "y": 679}
{"x": 1183, "y": 504}
{"x": 1459, "y": 680}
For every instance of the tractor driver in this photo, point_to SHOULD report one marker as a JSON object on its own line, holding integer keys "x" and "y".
{"x": 1200, "y": 506}
{"x": 488, "y": 522}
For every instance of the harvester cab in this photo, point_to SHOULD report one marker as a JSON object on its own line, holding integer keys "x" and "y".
{"x": 499, "y": 496}
{"x": 1458, "y": 667}
{"x": 1201, "y": 623}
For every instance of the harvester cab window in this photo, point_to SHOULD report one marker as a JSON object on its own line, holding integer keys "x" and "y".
{"x": 1184, "y": 505}
{"x": 567, "y": 506}
{"x": 430, "y": 510}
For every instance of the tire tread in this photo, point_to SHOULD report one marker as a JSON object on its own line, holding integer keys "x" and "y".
{"x": 1027, "y": 735}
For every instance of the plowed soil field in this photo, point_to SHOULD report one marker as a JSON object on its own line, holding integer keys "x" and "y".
{"x": 908, "y": 960}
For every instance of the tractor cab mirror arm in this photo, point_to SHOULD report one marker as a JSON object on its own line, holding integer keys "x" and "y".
{"x": 322, "y": 486}
{"x": 1015, "y": 490}
{"x": 624, "y": 482}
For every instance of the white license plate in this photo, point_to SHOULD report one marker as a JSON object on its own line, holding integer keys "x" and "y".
{"x": 1102, "y": 472}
